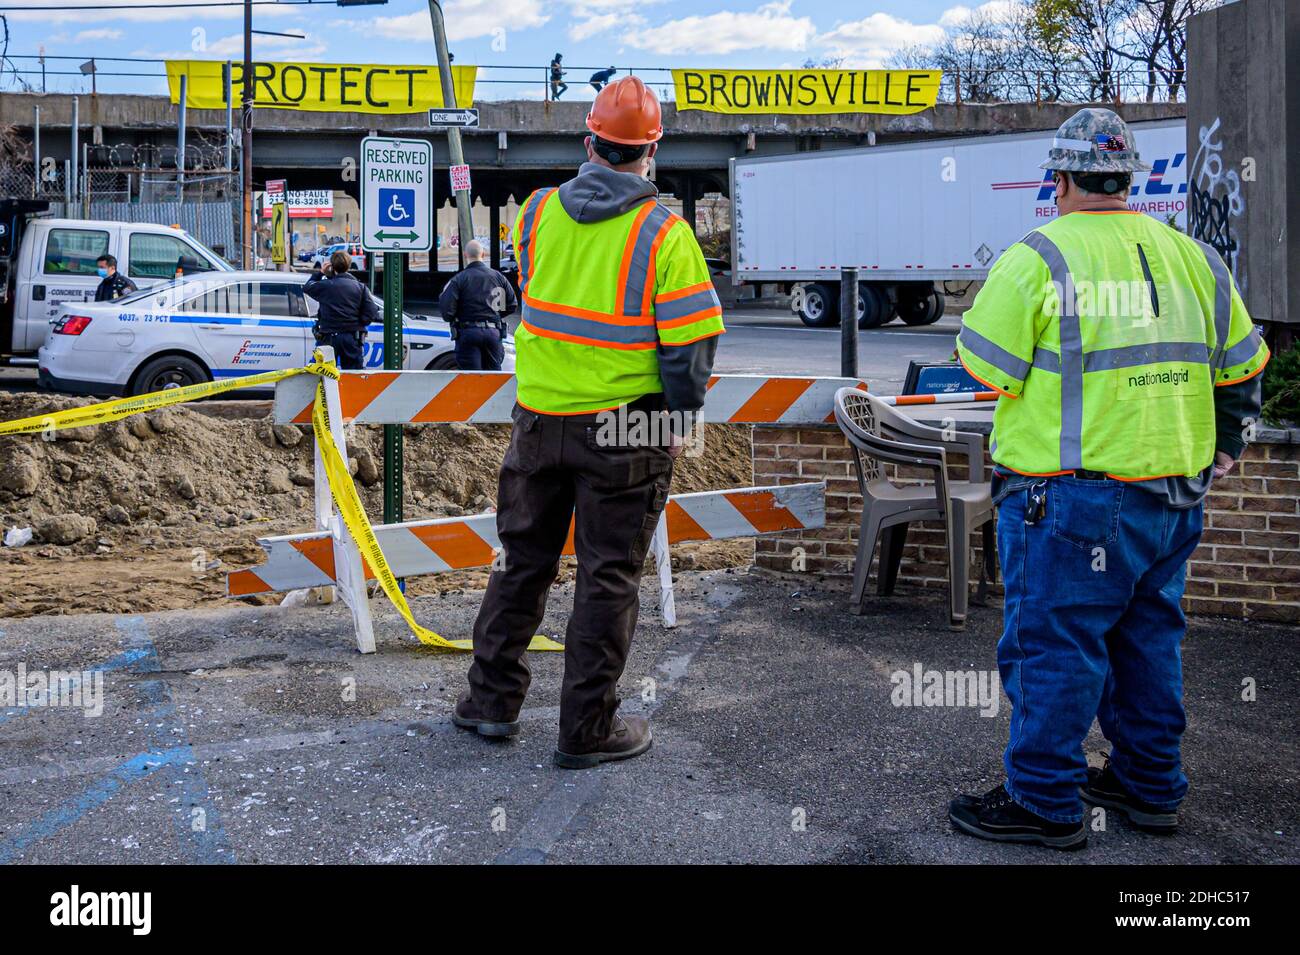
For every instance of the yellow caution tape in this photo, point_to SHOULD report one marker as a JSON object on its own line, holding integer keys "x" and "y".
{"x": 119, "y": 408}
{"x": 354, "y": 516}
{"x": 342, "y": 489}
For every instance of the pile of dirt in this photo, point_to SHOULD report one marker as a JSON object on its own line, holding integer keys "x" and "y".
{"x": 149, "y": 513}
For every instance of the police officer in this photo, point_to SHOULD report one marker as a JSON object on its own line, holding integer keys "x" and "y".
{"x": 1129, "y": 372}
{"x": 114, "y": 284}
{"x": 346, "y": 309}
{"x": 476, "y": 302}
{"x": 619, "y": 323}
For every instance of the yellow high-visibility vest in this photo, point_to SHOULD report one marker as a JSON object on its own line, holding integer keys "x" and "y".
{"x": 1106, "y": 333}
{"x": 598, "y": 299}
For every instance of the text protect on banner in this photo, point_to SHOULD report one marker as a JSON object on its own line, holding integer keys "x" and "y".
{"x": 806, "y": 91}
{"x": 320, "y": 87}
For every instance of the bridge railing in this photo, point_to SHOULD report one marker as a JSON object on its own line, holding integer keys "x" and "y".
{"x": 505, "y": 81}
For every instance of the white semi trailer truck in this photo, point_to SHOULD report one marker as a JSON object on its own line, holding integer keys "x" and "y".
{"x": 913, "y": 216}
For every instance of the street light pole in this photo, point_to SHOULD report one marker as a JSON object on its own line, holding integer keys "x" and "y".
{"x": 464, "y": 221}
{"x": 246, "y": 151}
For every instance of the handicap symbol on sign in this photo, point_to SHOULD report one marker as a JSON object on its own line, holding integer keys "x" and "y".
{"x": 396, "y": 207}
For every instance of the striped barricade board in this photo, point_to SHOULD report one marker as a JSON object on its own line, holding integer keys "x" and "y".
{"x": 486, "y": 397}
{"x": 414, "y": 548}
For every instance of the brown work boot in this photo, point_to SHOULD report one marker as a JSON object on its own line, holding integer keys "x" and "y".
{"x": 467, "y": 717}
{"x": 628, "y": 737}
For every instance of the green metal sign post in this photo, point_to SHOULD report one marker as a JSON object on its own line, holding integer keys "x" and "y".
{"x": 394, "y": 267}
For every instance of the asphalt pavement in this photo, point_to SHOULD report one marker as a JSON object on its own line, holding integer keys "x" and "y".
{"x": 260, "y": 735}
{"x": 771, "y": 341}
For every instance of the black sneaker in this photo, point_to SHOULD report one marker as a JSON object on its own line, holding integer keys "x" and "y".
{"x": 1105, "y": 789}
{"x": 994, "y": 816}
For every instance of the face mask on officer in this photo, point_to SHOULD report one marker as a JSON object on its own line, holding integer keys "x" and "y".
{"x": 103, "y": 272}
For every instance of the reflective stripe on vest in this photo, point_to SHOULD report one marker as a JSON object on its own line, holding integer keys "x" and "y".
{"x": 1071, "y": 357}
{"x": 687, "y": 305}
{"x": 1222, "y": 305}
{"x": 648, "y": 229}
{"x": 585, "y": 327}
{"x": 527, "y": 233}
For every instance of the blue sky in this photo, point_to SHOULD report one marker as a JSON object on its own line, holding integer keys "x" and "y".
{"x": 649, "y": 33}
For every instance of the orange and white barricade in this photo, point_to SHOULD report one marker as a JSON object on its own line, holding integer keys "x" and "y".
{"x": 329, "y": 556}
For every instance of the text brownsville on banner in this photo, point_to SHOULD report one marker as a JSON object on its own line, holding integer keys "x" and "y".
{"x": 806, "y": 91}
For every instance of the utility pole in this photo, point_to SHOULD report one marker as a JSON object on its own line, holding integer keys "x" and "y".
{"x": 464, "y": 221}
{"x": 246, "y": 152}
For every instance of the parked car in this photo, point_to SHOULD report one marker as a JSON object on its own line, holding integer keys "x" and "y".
{"x": 225, "y": 325}
{"x": 322, "y": 255}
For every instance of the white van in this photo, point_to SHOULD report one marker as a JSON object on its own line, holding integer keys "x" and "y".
{"x": 46, "y": 262}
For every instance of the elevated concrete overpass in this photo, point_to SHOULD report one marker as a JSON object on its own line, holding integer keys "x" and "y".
{"x": 522, "y": 144}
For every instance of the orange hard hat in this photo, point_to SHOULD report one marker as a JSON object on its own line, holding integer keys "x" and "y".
{"x": 626, "y": 112}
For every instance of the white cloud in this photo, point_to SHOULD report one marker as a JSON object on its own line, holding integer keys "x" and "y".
{"x": 231, "y": 47}
{"x": 466, "y": 20}
{"x": 99, "y": 34}
{"x": 770, "y": 27}
{"x": 869, "y": 41}
{"x": 143, "y": 11}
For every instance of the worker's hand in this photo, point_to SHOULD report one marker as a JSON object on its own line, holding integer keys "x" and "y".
{"x": 1222, "y": 464}
{"x": 675, "y": 444}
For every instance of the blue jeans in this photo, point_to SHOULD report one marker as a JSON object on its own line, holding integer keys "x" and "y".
{"x": 1093, "y": 627}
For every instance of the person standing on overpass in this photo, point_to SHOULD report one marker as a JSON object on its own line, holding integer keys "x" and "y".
{"x": 1129, "y": 372}
{"x": 558, "y": 86}
{"x": 619, "y": 323}
{"x": 476, "y": 302}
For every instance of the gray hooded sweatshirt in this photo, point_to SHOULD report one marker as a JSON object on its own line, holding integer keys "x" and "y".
{"x": 598, "y": 193}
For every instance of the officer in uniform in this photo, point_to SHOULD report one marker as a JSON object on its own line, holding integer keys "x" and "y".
{"x": 619, "y": 322}
{"x": 1129, "y": 373}
{"x": 476, "y": 302}
{"x": 346, "y": 310}
{"x": 114, "y": 284}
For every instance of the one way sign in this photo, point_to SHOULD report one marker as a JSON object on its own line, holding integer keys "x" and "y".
{"x": 453, "y": 117}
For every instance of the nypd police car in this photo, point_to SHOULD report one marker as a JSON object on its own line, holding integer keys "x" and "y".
{"x": 210, "y": 327}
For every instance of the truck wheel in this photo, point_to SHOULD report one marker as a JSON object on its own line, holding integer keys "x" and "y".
{"x": 874, "y": 307}
{"x": 937, "y": 305}
{"x": 816, "y": 305}
{"x": 923, "y": 309}
{"x": 168, "y": 370}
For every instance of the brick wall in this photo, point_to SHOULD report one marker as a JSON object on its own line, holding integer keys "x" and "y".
{"x": 1248, "y": 564}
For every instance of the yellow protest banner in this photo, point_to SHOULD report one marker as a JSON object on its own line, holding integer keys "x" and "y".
{"x": 806, "y": 91}
{"x": 320, "y": 87}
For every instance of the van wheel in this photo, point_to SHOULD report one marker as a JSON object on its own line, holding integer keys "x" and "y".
{"x": 444, "y": 362}
{"x": 816, "y": 305}
{"x": 166, "y": 371}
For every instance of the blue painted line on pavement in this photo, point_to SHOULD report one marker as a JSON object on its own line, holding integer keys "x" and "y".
{"x": 197, "y": 821}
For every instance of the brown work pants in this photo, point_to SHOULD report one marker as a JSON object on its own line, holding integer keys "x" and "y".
{"x": 556, "y": 470}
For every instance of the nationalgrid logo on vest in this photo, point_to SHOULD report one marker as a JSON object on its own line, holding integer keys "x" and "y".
{"x": 1147, "y": 379}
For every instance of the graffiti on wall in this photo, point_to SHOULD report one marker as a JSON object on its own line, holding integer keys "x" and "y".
{"x": 1216, "y": 201}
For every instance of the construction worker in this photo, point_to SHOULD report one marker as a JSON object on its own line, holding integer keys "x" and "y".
{"x": 1129, "y": 373}
{"x": 619, "y": 321}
